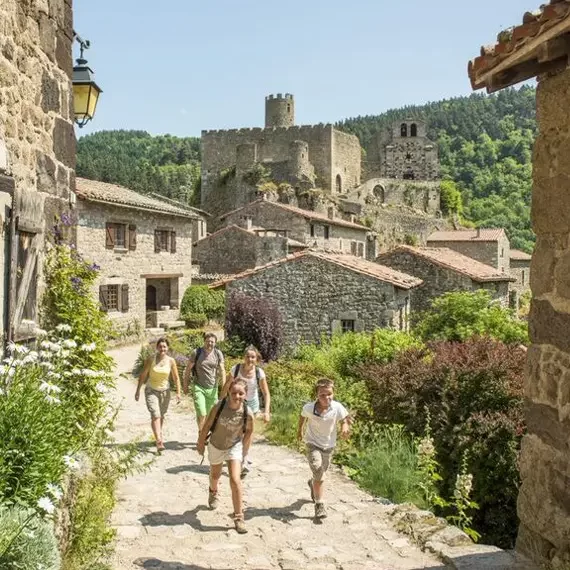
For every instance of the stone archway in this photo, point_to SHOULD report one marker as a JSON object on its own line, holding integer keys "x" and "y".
{"x": 379, "y": 193}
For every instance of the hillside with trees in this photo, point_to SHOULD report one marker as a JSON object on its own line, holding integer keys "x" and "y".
{"x": 485, "y": 145}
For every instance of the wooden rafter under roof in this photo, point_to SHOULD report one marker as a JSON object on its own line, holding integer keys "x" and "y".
{"x": 540, "y": 45}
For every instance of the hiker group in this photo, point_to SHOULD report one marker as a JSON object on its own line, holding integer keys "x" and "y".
{"x": 226, "y": 424}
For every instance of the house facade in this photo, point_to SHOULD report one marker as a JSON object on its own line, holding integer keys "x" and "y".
{"x": 310, "y": 228}
{"x": 520, "y": 270}
{"x": 143, "y": 248}
{"x": 233, "y": 249}
{"x": 443, "y": 270}
{"x": 319, "y": 294}
{"x": 488, "y": 245}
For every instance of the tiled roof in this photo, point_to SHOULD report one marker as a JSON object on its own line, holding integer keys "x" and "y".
{"x": 452, "y": 260}
{"x": 308, "y": 214}
{"x": 257, "y": 231}
{"x": 536, "y": 46}
{"x": 356, "y": 264}
{"x": 95, "y": 191}
{"x": 482, "y": 234}
{"x": 519, "y": 255}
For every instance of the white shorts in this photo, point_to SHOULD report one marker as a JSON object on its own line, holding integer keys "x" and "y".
{"x": 217, "y": 456}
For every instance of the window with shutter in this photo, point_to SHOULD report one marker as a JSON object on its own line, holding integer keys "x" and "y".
{"x": 132, "y": 237}
{"x": 109, "y": 236}
{"x": 161, "y": 240}
{"x": 124, "y": 298}
{"x": 103, "y": 297}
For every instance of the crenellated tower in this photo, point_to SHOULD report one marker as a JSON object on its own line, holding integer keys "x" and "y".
{"x": 279, "y": 110}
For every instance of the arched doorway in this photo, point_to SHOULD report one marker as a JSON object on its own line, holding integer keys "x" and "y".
{"x": 413, "y": 130}
{"x": 379, "y": 193}
{"x": 403, "y": 130}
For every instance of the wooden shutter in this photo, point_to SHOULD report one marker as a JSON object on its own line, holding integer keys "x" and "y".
{"x": 132, "y": 237}
{"x": 156, "y": 241}
{"x": 172, "y": 242}
{"x": 103, "y": 297}
{"x": 124, "y": 297}
{"x": 109, "y": 236}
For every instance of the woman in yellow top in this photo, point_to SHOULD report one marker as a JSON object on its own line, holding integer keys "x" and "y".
{"x": 156, "y": 374}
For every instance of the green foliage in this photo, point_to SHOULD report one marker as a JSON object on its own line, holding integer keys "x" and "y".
{"x": 410, "y": 239}
{"x": 451, "y": 200}
{"x": 473, "y": 391}
{"x": 232, "y": 346}
{"x": 485, "y": 145}
{"x": 164, "y": 164}
{"x": 459, "y": 316}
{"x": 258, "y": 174}
{"x": 27, "y": 542}
{"x": 194, "y": 320}
{"x": 267, "y": 187}
{"x": 201, "y": 300}
{"x": 387, "y": 466}
{"x": 226, "y": 175}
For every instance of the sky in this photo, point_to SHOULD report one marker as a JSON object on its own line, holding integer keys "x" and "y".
{"x": 180, "y": 66}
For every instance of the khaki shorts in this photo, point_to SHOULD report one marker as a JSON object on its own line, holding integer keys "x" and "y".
{"x": 157, "y": 402}
{"x": 319, "y": 460}
{"x": 217, "y": 456}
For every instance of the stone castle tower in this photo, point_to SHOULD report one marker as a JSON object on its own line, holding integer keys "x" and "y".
{"x": 404, "y": 152}
{"x": 279, "y": 110}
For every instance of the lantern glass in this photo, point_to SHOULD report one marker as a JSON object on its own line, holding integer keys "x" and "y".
{"x": 85, "y": 97}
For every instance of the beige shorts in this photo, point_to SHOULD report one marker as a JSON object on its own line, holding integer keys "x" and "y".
{"x": 157, "y": 402}
{"x": 319, "y": 460}
{"x": 217, "y": 456}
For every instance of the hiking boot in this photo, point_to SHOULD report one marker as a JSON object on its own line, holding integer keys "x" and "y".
{"x": 320, "y": 511}
{"x": 240, "y": 525}
{"x": 213, "y": 500}
{"x": 310, "y": 483}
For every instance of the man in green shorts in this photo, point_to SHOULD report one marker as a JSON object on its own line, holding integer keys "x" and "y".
{"x": 206, "y": 366}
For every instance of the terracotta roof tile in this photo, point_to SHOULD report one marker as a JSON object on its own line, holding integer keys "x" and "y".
{"x": 482, "y": 234}
{"x": 520, "y": 43}
{"x": 356, "y": 264}
{"x": 452, "y": 260}
{"x": 519, "y": 255}
{"x": 308, "y": 214}
{"x": 96, "y": 191}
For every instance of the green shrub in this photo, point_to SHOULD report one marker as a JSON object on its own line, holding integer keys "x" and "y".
{"x": 199, "y": 299}
{"x": 26, "y": 541}
{"x": 462, "y": 315}
{"x": 195, "y": 320}
{"x": 473, "y": 392}
{"x": 232, "y": 346}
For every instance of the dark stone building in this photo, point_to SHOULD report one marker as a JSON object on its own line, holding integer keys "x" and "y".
{"x": 442, "y": 270}
{"x": 319, "y": 293}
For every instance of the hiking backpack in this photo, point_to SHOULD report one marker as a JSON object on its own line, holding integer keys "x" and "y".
{"x": 260, "y": 394}
{"x": 217, "y": 417}
{"x": 199, "y": 351}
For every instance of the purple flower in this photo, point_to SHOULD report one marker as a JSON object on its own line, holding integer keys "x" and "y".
{"x": 94, "y": 267}
{"x": 76, "y": 282}
{"x": 66, "y": 219}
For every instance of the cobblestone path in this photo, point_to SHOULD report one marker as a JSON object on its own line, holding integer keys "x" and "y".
{"x": 163, "y": 522}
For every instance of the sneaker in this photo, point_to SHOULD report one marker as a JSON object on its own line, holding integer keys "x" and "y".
{"x": 320, "y": 511}
{"x": 213, "y": 500}
{"x": 310, "y": 483}
{"x": 240, "y": 525}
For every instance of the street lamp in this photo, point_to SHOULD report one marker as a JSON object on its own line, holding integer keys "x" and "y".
{"x": 85, "y": 90}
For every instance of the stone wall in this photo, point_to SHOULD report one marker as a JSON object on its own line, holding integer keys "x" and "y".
{"x": 36, "y": 107}
{"x": 135, "y": 267}
{"x": 346, "y": 159}
{"x": 235, "y": 249}
{"x": 438, "y": 280}
{"x": 493, "y": 253}
{"x": 544, "y": 497}
{"x": 520, "y": 269}
{"x": 267, "y": 215}
{"x": 323, "y": 295}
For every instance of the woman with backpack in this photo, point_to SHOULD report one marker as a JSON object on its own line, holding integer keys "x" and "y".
{"x": 258, "y": 396}
{"x": 228, "y": 432}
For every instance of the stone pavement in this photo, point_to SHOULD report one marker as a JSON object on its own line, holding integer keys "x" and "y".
{"x": 163, "y": 521}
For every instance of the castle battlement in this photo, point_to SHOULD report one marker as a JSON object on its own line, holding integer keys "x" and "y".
{"x": 279, "y": 96}
{"x": 258, "y": 130}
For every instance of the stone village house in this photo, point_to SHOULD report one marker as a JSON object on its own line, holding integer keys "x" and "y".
{"x": 520, "y": 270}
{"x": 540, "y": 47}
{"x": 144, "y": 249}
{"x": 441, "y": 270}
{"x": 37, "y": 149}
{"x": 305, "y": 226}
{"x": 234, "y": 249}
{"x": 322, "y": 293}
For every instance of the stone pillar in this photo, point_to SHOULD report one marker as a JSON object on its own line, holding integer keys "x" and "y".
{"x": 544, "y": 497}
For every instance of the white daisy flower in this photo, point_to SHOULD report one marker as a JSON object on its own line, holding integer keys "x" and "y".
{"x": 63, "y": 328}
{"x": 51, "y": 399}
{"x": 71, "y": 462}
{"x": 46, "y": 505}
{"x": 55, "y": 491}
{"x": 69, "y": 343}
{"x": 89, "y": 347}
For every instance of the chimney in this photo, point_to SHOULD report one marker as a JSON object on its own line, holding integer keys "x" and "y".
{"x": 478, "y": 234}
{"x": 247, "y": 222}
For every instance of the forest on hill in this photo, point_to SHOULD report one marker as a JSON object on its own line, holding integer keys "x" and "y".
{"x": 485, "y": 145}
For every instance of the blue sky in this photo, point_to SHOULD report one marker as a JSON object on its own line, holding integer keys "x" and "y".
{"x": 180, "y": 66}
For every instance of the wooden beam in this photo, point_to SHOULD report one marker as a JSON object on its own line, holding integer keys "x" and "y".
{"x": 524, "y": 71}
{"x": 524, "y": 53}
{"x": 554, "y": 49}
